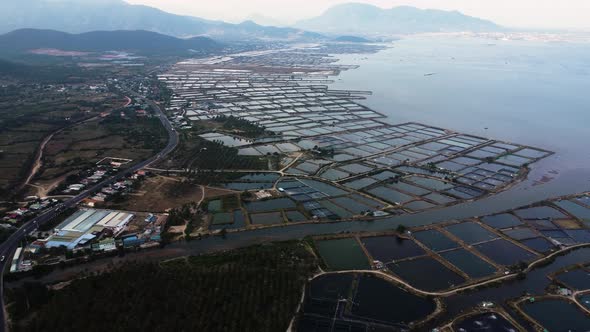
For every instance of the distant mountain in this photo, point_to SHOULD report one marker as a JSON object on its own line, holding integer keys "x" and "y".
{"x": 366, "y": 19}
{"x": 351, "y": 39}
{"x": 265, "y": 20}
{"x": 78, "y": 16}
{"x": 140, "y": 42}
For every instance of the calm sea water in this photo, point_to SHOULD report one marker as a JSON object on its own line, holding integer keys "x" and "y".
{"x": 535, "y": 93}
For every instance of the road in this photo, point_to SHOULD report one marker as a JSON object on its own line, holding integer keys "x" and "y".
{"x": 8, "y": 248}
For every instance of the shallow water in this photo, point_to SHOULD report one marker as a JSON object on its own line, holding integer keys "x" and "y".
{"x": 525, "y": 92}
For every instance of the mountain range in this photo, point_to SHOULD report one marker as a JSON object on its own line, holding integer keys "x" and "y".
{"x": 139, "y": 42}
{"x": 368, "y": 20}
{"x": 79, "y": 16}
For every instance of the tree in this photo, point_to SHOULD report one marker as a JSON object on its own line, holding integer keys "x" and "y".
{"x": 401, "y": 229}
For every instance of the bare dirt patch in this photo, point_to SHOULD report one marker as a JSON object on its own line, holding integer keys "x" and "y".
{"x": 159, "y": 194}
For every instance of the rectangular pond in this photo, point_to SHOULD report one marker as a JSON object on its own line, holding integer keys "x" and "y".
{"x": 578, "y": 279}
{"x": 501, "y": 221}
{"x": 389, "y": 195}
{"x": 419, "y": 273}
{"x": 435, "y": 240}
{"x": 391, "y": 248}
{"x": 268, "y": 218}
{"x": 271, "y": 205}
{"x": 375, "y": 298}
{"x": 575, "y": 209}
{"x": 469, "y": 263}
{"x": 539, "y": 244}
{"x": 504, "y": 252}
{"x": 557, "y": 315}
{"x": 471, "y": 232}
{"x": 343, "y": 254}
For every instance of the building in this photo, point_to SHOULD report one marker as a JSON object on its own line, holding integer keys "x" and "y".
{"x": 86, "y": 225}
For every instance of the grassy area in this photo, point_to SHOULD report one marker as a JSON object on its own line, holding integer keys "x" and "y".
{"x": 29, "y": 113}
{"x": 252, "y": 289}
{"x": 80, "y": 147}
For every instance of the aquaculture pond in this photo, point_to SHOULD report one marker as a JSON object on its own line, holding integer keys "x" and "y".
{"x": 391, "y": 248}
{"x": 501, "y": 221}
{"x": 295, "y": 216}
{"x": 436, "y": 185}
{"x": 238, "y": 221}
{"x": 504, "y": 252}
{"x": 382, "y": 301}
{"x": 521, "y": 233}
{"x": 540, "y": 212}
{"x": 435, "y": 240}
{"x": 419, "y": 272}
{"x": 557, "y": 315}
{"x": 584, "y": 300}
{"x": 575, "y": 209}
{"x": 336, "y": 209}
{"x": 260, "y": 177}
{"x": 419, "y": 205}
{"x": 242, "y": 186}
{"x": 271, "y": 205}
{"x": 222, "y": 218}
{"x": 323, "y": 292}
{"x": 471, "y": 232}
{"x": 389, "y": 195}
{"x": 535, "y": 283}
{"x": 539, "y": 244}
{"x": 488, "y": 321}
{"x": 352, "y": 205}
{"x": 343, "y": 254}
{"x": 357, "y": 302}
{"x": 268, "y": 218}
{"x": 578, "y": 279}
{"x": 214, "y": 205}
{"x": 469, "y": 263}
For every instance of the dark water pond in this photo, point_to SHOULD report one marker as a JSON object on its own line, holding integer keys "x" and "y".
{"x": 490, "y": 322}
{"x": 469, "y": 263}
{"x": 504, "y": 252}
{"x": 435, "y": 240}
{"x": 501, "y": 221}
{"x": 419, "y": 273}
{"x": 471, "y": 232}
{"x": 390, "y": 248}
{"x": 377, "y": 299}
{"x": 557, "y": 315}
{"x": 577, "y": 279}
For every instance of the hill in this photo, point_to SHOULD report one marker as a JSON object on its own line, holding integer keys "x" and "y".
{"x": 366, "y": 19}
{"x": 351, "y": 39}
{"x": 140, "y": 42}
{"x": 79, "y": 16}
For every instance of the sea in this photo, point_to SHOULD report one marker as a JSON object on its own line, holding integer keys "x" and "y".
{"x": 529, "y": 92}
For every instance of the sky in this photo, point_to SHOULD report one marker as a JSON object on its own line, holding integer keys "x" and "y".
{"x": 555, "y": 14}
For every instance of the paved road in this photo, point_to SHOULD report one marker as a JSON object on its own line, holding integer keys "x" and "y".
{"x": 8, "y": 248}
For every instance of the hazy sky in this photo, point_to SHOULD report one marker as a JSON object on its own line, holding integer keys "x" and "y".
{"x": 513, "y": 13}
